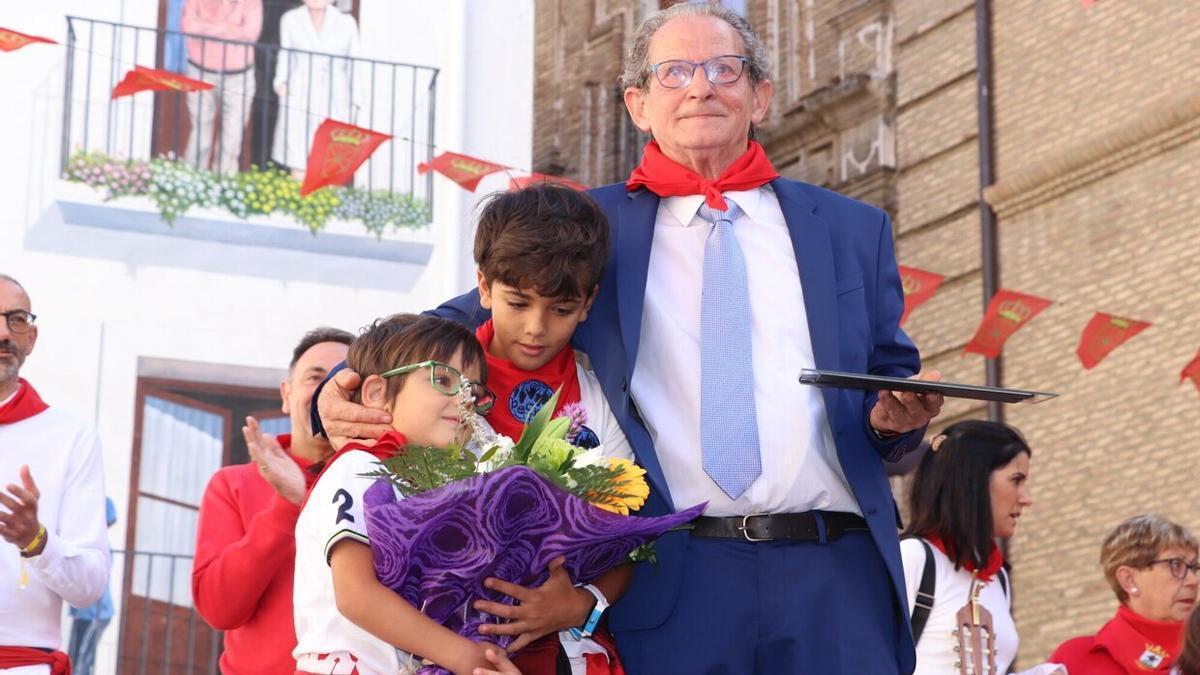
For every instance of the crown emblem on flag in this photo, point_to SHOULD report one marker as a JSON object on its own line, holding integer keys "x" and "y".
{"x": 1014, "y": 310}
{"x": 910, "y": 284}
{"x": 1123, "y": 324}
{"x": 348, "y": 136}
{"x": 467, "y": 165}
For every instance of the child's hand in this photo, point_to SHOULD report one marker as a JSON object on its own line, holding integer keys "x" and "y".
{"x": 553, "y": 606}
{"x": 500, "y": 661}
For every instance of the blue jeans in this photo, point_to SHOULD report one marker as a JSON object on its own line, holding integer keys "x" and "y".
{"x": 85, "y": 634}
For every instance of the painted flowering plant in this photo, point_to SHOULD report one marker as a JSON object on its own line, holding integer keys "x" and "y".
{"x": 504, "y": 509}
{"x": 175, "y": 187}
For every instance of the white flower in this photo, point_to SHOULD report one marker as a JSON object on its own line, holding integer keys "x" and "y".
{"x": 590, "y": 457}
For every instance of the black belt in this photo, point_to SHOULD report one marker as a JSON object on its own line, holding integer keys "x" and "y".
{"x": 772, "y": 526}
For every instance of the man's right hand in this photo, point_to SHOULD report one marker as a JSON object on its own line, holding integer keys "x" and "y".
{"x": 345, "y": 421}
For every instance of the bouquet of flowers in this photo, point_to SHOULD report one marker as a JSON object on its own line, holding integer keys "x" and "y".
{"x": 505, "y": 512}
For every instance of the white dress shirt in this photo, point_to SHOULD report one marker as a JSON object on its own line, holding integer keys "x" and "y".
{"x": 64, "y": 459}
{"x": 800, "y": 468}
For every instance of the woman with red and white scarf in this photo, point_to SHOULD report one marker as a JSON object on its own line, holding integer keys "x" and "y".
{"x": 970, "y": 488}
{"x": 1151, "y": 565}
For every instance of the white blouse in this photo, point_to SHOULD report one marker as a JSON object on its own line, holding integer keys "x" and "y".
{"x": 935, "y": 650}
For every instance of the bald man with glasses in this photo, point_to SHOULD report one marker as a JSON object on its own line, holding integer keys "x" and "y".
{"x": 52, "y": 515}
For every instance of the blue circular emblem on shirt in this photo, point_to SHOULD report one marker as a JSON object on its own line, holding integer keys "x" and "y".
{"x": 527, "y": 399}
{"x": 587, "y": 439}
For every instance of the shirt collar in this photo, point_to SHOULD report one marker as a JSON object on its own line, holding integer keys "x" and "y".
{"x": 684, "y": 209}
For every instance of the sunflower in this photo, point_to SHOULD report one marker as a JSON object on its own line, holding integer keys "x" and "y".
{"x": 629, "y": 489}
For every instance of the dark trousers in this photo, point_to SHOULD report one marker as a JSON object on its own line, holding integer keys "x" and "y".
{"x": 795, "y": 608}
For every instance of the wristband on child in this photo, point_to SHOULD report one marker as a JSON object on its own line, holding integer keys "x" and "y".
{"x": 593, "y": 620}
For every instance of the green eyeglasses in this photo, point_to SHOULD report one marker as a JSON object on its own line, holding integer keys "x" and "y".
{"x": 450, "y": 381}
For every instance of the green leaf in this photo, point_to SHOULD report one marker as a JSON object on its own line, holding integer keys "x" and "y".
{"x": 420, "y": 468}
{"x": 533, "y": 430}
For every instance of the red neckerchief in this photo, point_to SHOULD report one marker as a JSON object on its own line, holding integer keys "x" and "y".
{"x": 1138, "y": 644}
{"x": 667, "y": 178}
{"x": 391, "y": 443}
{"x": 16, "y": 657}
{"x": 505, "y": 378}
{"x": 994, "y": 562}
{"x": 24, "y": 405}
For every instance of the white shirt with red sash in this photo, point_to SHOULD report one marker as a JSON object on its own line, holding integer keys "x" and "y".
{"x": 63, "y": 455}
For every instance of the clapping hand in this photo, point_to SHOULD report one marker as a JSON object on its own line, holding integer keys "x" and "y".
{"x": 19, "y": 524}
{"x": 274, "y": 463}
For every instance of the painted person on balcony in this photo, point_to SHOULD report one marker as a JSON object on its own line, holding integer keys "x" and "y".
{"x": 726, "y": 280}
{"x": 55, "y": 543}
{"x": 245, "y": 539}
{"x": 311, "y": 87}
{"x": 219, "y": 115}
{"x": 1151, "y": 565}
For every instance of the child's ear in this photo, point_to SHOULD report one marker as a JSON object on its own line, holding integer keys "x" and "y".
{"x": 374, "y": 392}
{"x": 587, "y": 304}
{"x": 485, "y": 290}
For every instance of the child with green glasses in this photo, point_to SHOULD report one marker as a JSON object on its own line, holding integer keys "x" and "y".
{"x": 414, "y": 367}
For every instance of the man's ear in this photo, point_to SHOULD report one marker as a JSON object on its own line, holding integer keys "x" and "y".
{"x": 635, "y": 103}
{"x": 285, "y": 389}
{"x": 485, "y": 290}
{"x": 763, "y": 91}
{"x": 374, "y": 393}
{"x": 587, "y": 304}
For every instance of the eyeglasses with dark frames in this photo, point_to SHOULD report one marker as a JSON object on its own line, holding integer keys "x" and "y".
{"x": 1179, "y": 567}
{"x": 19, "y": 321}
{"x": 678, "y": 73}
{"x": 450, "y": 381}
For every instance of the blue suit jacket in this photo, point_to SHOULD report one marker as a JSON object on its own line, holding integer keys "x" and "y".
{"x": 853, "y": 299}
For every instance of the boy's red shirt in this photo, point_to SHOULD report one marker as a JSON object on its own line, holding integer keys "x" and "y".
{"x": 243, "y": 570}
{"x": 1127, "y": 645}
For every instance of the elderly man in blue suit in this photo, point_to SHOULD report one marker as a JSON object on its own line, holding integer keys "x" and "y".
{"x": 724, "y": 282}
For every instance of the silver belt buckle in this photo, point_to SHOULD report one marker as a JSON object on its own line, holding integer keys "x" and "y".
{"x": 745, "y": 527}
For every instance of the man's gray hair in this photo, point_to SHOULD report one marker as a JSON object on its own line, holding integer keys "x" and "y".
{"x": 637, "y": 62}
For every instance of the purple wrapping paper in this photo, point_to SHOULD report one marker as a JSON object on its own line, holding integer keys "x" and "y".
{"x": 436, "y": 548}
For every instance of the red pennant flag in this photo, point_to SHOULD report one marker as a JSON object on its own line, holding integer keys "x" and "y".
{"x": 11, "y": 40}
{"x": 1103, "y": 334}
{"x": 1192, "y": 371}
{"x": 1005, "y": 315}
{"x": 338, "y": 150}
{"x": 149, "y": 79}
{"x": 462, "y": 169}
{"x": 919, "y": 286}
{"x": 522, "y": 182}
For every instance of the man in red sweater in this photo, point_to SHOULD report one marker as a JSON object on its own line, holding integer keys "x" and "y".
{"x": 245, "y": 540}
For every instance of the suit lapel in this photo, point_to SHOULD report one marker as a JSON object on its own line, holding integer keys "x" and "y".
{"x": 814, "y": 258}
{"x": 635, "y": 234}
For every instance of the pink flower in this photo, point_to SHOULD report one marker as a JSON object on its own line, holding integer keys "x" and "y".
{"x": 578, "y": 416}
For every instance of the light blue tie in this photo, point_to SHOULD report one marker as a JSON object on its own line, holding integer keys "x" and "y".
{"x": 728, "y": 424}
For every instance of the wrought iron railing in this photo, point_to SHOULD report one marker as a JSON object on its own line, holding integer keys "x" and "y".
{"x": 159, "y": 629}
{"x": 393, "y": 98}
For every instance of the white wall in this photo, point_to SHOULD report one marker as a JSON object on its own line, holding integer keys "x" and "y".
{"x": 162, "y": 296}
